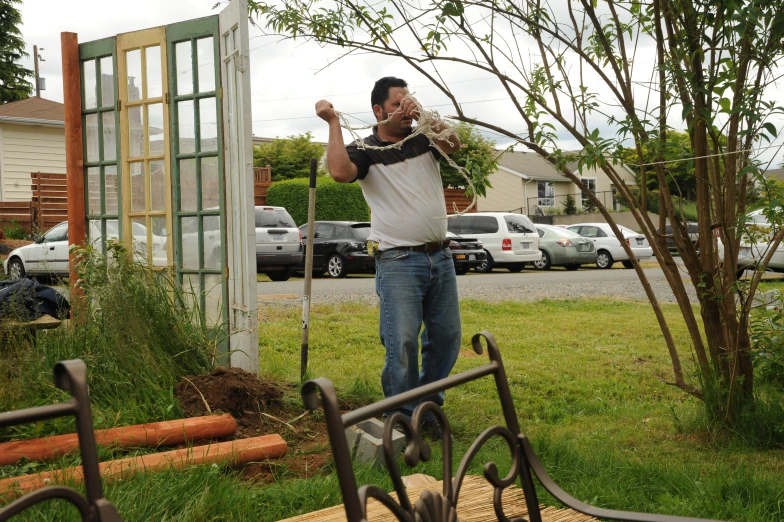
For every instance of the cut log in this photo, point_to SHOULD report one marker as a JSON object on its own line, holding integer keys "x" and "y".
{"x": 168, "y": 433}
{"x": 234, "y": 452}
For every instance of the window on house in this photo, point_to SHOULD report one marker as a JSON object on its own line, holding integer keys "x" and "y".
{"x": 591, "y": 184}
{"x": 545, "y": 194}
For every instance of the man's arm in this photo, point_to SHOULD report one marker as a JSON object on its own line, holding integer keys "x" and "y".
{"x": 340, "y": 166}
{"x": 410, "y": 109}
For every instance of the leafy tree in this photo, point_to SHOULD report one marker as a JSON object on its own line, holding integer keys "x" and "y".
{"x": 288, "y": 157}
{"x": 679, "y": 174}
{"x": 570, "y": 206}
{"x": 714, "y": 64}
{"x": 477, "y": 155}
{"x": 14, "y": 85}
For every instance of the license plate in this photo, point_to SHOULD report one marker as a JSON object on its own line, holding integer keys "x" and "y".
{"x": 639, "y": 241}
{"x": 584, "y": 247}
{"x": 278, "y": 237}
{"x": 526, "y": 246}
{"x": 471, "y": 257}
{"x": 460, "y": 256}
{"x": 744, "y": 252}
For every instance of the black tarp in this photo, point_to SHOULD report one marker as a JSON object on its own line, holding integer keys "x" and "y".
{"x": 27, "y": 300}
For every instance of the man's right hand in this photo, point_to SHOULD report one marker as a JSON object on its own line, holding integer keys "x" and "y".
{"x": 326, "y": 111}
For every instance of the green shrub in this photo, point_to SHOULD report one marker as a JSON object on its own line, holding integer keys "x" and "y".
{"x": 15, "y": 231}
{"x": 570, "y": 206}
{"x": 334, "y": 201}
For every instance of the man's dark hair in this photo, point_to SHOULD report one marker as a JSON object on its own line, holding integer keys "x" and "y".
{"x": 380, "y": 93}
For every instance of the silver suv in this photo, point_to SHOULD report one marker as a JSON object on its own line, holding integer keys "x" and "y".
{"x": 278, "y": 243}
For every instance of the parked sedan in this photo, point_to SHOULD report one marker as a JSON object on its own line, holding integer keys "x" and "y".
{"x": 467, "y": 253}
{"x": 562, "y": 247}
{"x": 48, "y": 256}
{"x": 339, "y": 248}
{"x": 756, "y": 244}
{"x": 608, "y": 247}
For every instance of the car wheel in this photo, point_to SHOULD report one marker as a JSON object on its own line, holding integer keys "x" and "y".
{"x": 627, "y": 264}
{"x": 604, "y": 259}
{"x": 16, "y": 269}
{"x": 485, "y": 266}
{"x": 544, "y": 263}
{"x": 336, "y": 267}
{"x": 741, "y": 271}
{"x": 572, "y": 267}
{"x": 515, "y": 267}
{"x": 282, "y": 275}
{"x": 461, "y": 269}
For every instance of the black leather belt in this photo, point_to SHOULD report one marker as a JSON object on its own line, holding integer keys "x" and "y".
{"x": 430, "y": 248}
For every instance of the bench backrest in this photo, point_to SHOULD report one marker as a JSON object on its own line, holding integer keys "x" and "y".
{"x": 431, "y": 506}
{"x": 70, "y": 376}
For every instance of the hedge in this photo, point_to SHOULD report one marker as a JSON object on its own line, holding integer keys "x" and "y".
{"x": 334, "y": 201}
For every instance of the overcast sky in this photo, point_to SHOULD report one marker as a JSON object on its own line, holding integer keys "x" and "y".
{"x": 285, "y": 80}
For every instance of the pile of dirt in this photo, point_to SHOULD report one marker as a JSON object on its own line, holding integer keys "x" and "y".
{"x": 229, "y": 390}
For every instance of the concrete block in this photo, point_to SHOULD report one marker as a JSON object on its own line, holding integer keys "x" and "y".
{"x": 365, "y": 441}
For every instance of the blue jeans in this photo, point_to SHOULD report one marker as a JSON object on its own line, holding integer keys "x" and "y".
{"x": 417, "y": 288}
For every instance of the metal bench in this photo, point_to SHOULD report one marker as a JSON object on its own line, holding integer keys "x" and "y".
{"x": 442, "y": 506}
{"x": 70, "y": 376}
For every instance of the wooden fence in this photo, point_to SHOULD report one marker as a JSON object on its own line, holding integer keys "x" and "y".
{"x": 262, "y": 179}
{"x": 457, "y": 197}
{"x": 49, "y": 205}
{"x": 16, "y": 213}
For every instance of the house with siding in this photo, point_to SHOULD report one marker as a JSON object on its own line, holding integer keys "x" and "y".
{"x": 527, "y": 183}
{"x": 32, "y": 139}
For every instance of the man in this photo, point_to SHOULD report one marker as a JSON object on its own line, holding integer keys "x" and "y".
{"x": 415, "y": 274}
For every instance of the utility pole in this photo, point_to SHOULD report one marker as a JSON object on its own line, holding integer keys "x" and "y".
{"x": 37, "y": 58}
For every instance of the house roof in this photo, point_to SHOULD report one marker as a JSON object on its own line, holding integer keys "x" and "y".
{"x": 775, "y": 173}
{"x": 33, "y": 108}
{"x": 530, "y": 165}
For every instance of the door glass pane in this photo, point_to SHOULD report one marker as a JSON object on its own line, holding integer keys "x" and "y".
{"x": 190, "y": 287}
{"x": 185, "y": 127}
{"x": 109, "y": 137}
{"x": 184, "y": 66}
{"x": 155, "y": 128}
{"x": 137, "y": 187}
{"x": 190, "y": 242}
{"x": 107, "y": 81}
{"x": 91, "y": 129}
{"x": 157, "y": 186}
{"x": 206, "y": 61}
{"x": 139, "y": 234}
{"x": 212, "y": 242}
{"x": 133, "y": 63}
{"x": 110, "y": 188}
{"x": 159, "y": 240}
{"x": 209, "y": 183}
{"x": 89, "y": 85}
{"x": 93, "y": 191}
{"x": 213, "y": 297}
{"x": 154, "y": 82}
{"x": 188, "y": 184}
{"x": 208, "y": 124}
{"x": 136, "y": 131}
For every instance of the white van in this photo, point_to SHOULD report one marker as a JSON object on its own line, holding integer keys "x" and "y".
{"x": 510, "y": 240}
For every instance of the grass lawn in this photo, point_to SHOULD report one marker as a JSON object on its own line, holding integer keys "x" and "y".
{"x": 588, "y": 380}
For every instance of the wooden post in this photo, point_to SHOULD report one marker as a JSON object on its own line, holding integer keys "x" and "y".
{"x": 74, "y": 161}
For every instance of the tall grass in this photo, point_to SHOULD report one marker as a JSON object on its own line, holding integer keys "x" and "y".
{"x": 135, "y": 335}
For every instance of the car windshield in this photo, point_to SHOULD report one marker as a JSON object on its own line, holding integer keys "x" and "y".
{"x": 272, "y": 217}
{"x": 628, "y": 231}
{"x": 519, "y": 224}
{"x": 361, "y": 232}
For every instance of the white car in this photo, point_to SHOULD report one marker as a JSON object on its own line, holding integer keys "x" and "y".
{"x": 608, "y": 247}
{"x": 752, "y": 253}
{"x": 49, "y": 254}
{"x": 510, "y": 240}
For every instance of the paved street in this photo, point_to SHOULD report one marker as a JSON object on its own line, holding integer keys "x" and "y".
{"x": 497, "y": 286}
